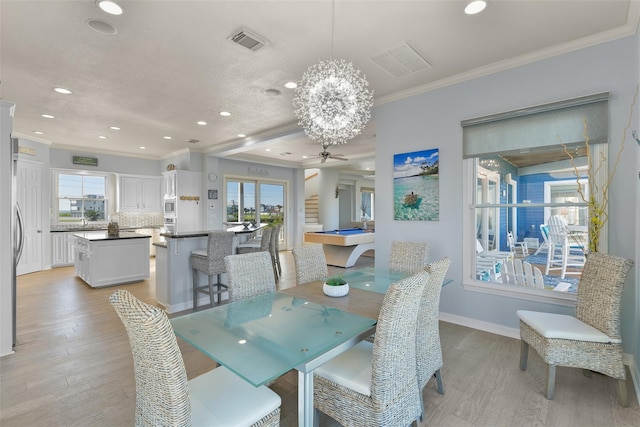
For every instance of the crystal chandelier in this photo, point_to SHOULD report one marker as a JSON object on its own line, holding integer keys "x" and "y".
{"x": 332, "y": 102}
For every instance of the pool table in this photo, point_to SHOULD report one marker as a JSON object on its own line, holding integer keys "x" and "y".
{"x": 343, "y": 247}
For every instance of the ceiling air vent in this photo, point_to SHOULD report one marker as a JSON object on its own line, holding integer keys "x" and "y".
{"x": 400, "y": 60}
{"x": 246, "y": 38}
{"x": 193, "y": 141}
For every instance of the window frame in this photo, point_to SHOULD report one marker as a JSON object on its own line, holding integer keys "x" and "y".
{"x": 56, "y": 195}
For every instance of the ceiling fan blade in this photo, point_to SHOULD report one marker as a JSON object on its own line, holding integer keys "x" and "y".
{"x": 338, "y": 158}
{"x": 323, "y": 159}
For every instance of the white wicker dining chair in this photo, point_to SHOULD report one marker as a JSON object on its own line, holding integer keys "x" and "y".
{"x": 428, "y": 348}
{"x": 256, "y": 245}
{"x": 408, "y": 257}
{"x": 590, "y": 340}
{"x": 375, "y": 384}
{"x": 164, "y": 397}
{"x": 310, "y": 263}
{"x": 249, "y": 274}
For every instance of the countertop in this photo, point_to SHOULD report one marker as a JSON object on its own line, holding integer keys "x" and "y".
{"x": 79, "y": 229}
{"x": 103, "y": 235}
{"x": 203, "y": 233}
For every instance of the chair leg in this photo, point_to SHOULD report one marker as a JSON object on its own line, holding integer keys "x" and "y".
{"x": 524, "y": 354}
{"x": 421, "y": 418}
{"x": 622, "y": 391}
{"x": 438, "y": 376}
{"x": 195, "y": 289}
{"x": 551, "y": 382}
{"x": 211, "y": 294}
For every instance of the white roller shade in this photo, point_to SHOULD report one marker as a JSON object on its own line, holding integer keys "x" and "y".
{"x": 539, "y": 126}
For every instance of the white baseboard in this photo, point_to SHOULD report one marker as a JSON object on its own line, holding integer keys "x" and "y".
{"x": 505, "y": 331}
{"x": 480, "y": 325}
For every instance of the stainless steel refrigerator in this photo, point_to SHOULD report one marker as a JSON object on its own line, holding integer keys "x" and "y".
{"x": 11, "y": 225}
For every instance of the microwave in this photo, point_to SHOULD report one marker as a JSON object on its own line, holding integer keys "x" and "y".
{"x": 170, "y": 207}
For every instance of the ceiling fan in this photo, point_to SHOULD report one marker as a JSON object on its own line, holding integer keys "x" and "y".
{"x": 324, "y": 155}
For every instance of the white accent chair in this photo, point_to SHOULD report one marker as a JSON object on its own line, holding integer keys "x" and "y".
{"x": 164, "y": 397}
{"x": 521, "y": 273}
{"x": 561, "y": 254}
{"x": 514, "y": 245}
{"x": 591, "y": 340}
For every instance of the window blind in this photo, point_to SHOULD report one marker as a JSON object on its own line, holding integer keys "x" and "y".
{"x": 539, "y": 126}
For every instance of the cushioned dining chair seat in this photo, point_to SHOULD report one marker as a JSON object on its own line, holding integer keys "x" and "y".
{"x": 351, "y": 369}
{"x": 561, "y": 326}
{"x": 221, "y": 398}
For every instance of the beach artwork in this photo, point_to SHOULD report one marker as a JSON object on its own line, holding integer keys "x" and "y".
{"x": 416, "y": 194}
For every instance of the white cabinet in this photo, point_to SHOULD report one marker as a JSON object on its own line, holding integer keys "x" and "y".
{"x": 62, "y": 249}
{"x": 102, "y": 260}
{"x": 140, "y": 194}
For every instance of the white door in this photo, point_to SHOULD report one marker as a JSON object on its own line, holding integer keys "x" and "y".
{"x": 29, "y": 184}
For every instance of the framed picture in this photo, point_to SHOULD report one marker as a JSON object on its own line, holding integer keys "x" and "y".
{"x": 416, "y": 186}
{"x": 213, "y": 194}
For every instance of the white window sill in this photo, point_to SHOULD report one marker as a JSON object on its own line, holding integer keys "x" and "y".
{"x": 529, "y": 294}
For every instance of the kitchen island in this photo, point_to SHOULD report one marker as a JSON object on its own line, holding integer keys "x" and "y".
{"x": 174, "y": 278}
{"x": 103, "y": 260}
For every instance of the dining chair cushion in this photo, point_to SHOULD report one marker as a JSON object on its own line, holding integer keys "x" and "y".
{"x": 351, "y": 369}
{"x": 561, "y": 326}
{"x": 221, "y": 398}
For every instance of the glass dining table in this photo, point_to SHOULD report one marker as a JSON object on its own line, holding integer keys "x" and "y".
{"x": 263, "y": 337}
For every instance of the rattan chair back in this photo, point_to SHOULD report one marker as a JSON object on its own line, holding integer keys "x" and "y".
{"x": 162, "y": 390}
{"x": 428, "y": 347}
{"x": 408, "y": 257}
{"x": 600, "y": 292}
{"x": 249, "y": 275}
{"x": 310, "y": 263}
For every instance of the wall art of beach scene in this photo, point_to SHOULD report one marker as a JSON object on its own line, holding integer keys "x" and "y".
{"x": 416, "y": 194}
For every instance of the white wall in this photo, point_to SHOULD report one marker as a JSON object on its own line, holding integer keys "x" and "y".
{"x": 432, "y": 120}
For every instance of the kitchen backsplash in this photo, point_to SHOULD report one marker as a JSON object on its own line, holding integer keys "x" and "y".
{"x": 139, "y": 219}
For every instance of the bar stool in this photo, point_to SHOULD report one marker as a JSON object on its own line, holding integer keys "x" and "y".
{"x": 210, "y": 261}
{"x": 274, "y": 249}
{"x": 276, "y": 238}
{"x": 256, "y": 245}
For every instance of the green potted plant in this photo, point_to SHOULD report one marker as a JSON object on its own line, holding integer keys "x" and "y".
{"x": 335, "y": 286}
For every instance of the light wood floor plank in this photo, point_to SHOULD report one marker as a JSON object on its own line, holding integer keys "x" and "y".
{"x": 73, "y": 367}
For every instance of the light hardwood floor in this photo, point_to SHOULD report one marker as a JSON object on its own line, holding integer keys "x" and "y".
{"x": 73, "y": 367}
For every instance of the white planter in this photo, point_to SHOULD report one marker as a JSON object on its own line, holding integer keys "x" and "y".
{"x": 335, "y": 291}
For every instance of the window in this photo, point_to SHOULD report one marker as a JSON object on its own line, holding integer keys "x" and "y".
{"x": 80, "y": 197}
{"x": 367, "y": 204}
{"x": 518, "y": 174}
{"x": 243, "y": 196}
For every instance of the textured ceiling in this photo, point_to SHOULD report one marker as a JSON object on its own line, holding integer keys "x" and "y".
{"x": 171, "y": 64}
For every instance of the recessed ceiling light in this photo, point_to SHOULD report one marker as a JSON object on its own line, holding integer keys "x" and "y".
{"x": 47, "y": 116}
{"x": 225, "y": 113}
{"x": 475, "y": 6}
{"x": 109, "y": 6}
{"x": 37, "y": 132}
{"x": 291, "y": 85}
{"x": 166, "y": 137}
{"x": 305, "y": 157}
{"x": 143, "y": 148}
{"x": 102, "y": 27}
{"x": 62, "y": 90}
{"x": 114, "y": 127}
{"x": 102, "y": 137}
{"x": 267, "y": 149}
{"x": 202, "y": 123}
{"x": 241, "y": 135}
